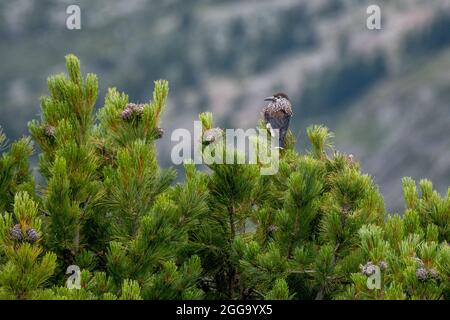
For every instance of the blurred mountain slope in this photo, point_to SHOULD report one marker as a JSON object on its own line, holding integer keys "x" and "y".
{"x": 402, "y": 128}
{"x": 226, "y": 55}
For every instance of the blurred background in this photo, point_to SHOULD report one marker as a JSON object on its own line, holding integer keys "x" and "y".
{"x": 385, "y": 93}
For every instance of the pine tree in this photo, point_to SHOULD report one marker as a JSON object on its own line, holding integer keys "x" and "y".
{"x": 27, "y": 268}
{"x": 224, "y": 200}
{"x": 102, "y": 195}
{"x": 15, "y": 173}
{"x": 331, "y": 227}
{"x": 317, "y": 229}
{"x": 414, "y": 249}
{"x": 145, "y": 229}
{"x": 70, "y": 164}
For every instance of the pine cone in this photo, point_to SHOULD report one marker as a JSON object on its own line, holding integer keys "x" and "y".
{"x": 32, "y": 235}
{"x": 160, "y": 133}
{"x": 212, "y": 135}
{"x": 132, "y": 111}
{"x": 351, "y": 159}
{"x": 422, "y": 274}
{"x": 127, "y": 114}
{"x": 49, "y": 131}
{"x": 271, "y": 229}
{"x": 368, "y": 269}
{"x": 16, "y": 233}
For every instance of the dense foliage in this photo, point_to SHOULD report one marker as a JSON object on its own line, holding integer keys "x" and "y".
{"x": 317, "y": 229}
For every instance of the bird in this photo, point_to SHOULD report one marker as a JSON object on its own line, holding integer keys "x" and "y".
{"x": 277, "y": 115}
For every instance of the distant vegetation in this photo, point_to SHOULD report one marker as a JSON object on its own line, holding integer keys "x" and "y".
{"x": 224, "y": 56}
{"x": 340, "y": 84}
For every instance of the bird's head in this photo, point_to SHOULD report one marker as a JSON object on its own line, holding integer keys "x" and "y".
{"x": 277, "y": 97}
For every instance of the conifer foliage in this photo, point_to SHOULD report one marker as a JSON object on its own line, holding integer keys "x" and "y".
{"x": 317, "y": 229}
{"x": 15, "y": 172}
{"x": 27, "y": 267}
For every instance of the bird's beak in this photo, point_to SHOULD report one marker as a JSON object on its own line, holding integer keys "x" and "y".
{"x": 271, "y": 98}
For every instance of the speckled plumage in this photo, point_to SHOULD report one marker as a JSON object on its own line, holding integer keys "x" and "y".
{"x": 278, "y": 105}
{"x": 277, "y": 115}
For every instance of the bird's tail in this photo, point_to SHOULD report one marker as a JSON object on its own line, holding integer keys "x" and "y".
{"x": 281, "y": 139}
{"x": 281, "y": 130}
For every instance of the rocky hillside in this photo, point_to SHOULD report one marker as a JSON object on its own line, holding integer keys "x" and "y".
{"x": 225, "y": 56}
{"x": 402, "y": 127}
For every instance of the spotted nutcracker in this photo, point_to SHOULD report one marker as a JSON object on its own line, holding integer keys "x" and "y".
{"x": 277, "y": 115}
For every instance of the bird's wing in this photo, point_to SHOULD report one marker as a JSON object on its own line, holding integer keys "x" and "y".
{"x": 277, "y": 120}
